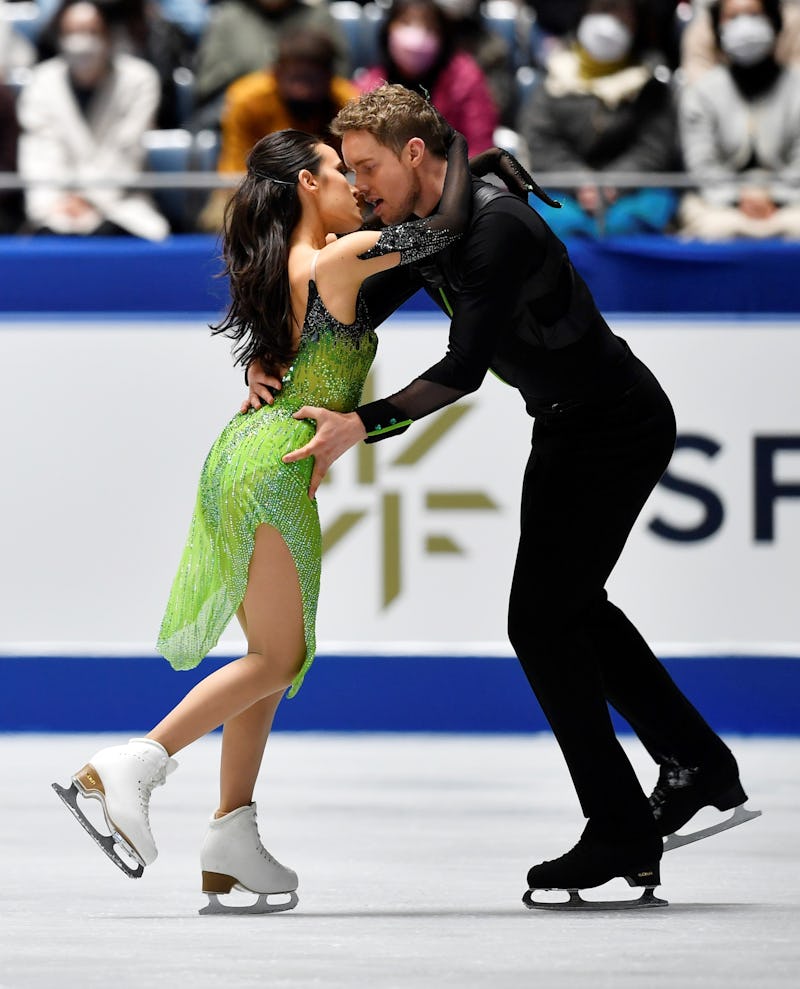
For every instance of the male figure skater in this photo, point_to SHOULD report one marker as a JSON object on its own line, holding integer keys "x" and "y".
{"x": 603, "y": 434}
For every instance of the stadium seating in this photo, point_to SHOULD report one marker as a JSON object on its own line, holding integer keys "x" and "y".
{"x": 179, "y": 151}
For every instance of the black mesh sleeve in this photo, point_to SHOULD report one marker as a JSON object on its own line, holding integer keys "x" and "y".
{"x": 502, "y": 249}
{"x": 392, "y": 416}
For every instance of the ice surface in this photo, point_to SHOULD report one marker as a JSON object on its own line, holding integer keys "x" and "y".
{"x": 412, "y": 853}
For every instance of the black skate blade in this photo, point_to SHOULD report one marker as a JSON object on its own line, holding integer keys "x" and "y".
{"x": 105, "y": 841}
{"x": 262, "y": 905}
{"x": 740, "y": 816}
{"x": 576, "y": 903}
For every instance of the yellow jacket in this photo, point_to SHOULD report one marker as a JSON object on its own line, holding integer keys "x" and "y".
{"x": 254, "y": 108}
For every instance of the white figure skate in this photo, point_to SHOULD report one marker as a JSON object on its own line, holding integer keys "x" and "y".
{"x": 122, "y": 777}
{"x": 233, "y": 857}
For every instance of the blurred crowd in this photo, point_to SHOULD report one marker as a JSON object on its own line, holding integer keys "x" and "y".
{"x": 658, "y": 116}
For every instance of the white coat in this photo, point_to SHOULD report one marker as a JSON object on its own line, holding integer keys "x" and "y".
{"x": 57, "y": 139}
{"x": 721, "y": 131}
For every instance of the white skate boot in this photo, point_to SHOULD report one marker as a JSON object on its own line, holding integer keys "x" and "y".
{"x": 233, "y": 857}
{"x": 122, "y": 777}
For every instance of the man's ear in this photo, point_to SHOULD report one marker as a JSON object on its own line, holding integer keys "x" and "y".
{"x": 415, "y": 150}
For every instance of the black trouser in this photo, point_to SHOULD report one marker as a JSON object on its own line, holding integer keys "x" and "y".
{"x": 591, "y": 470}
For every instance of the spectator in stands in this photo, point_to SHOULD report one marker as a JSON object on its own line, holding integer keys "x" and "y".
{"x": 10, "y": 200}
{"x": 83, "y": 115}
{"x": 242, "y": 37}
{"x": 605, "y": 106}
{"x": 557, "y": 21}
{"x": 11, "y": 212}
{"x": 417, "y": 46}
{"x": 489, "y": 49}
{"x": 700, "y": 51}
{"x": 191, "y": 15}
{"x": 557, "y": 17}
{"x": 15, "y": 52}
{"x": 138, "y": 28}
{"x": 740, "y": 130}
{"x": 300, "y": 92}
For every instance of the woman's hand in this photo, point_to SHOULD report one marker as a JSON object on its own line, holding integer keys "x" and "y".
{"x": 261, "y": 385}
{"x": 756, "y": 203}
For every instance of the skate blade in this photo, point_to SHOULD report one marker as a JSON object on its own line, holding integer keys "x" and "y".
{"x": 107, "y": 842}
{"x": 577, "y": 903}
{"x": 740, "y": 816}
{"x": 261, "y": 906}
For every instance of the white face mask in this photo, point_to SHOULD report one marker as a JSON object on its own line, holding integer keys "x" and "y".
{"x": 604, "y": 37}
{"x": 747, "y": 39}
{"x": 86, "y": 55}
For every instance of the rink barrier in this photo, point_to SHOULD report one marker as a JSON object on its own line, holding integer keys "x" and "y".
{"x": 757, "y": 695}
{"x": 637, "y": 274}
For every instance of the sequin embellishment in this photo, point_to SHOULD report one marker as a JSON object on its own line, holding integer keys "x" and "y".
{"x": 414, "y": 240}
{"x": 244, "y": 483}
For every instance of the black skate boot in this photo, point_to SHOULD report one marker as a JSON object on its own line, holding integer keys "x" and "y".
{"x": 682, "y": 791}
{"x": 593, "y": 862}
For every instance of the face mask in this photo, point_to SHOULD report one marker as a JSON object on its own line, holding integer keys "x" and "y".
{"x": 604, "y": 37}
{"x": 747, "y": 39}
{"x": 303, "y": 109}
{"x": 413, "y": 49}
{"x": 86, "y": 55}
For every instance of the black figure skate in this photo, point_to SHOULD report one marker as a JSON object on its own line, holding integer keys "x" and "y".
{"x": 682, "y": 791}
{"x": 594, "y": 862}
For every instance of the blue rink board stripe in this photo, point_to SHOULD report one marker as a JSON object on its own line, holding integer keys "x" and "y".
{"x": 639, "y": 274}
{"x": 736, "y": 694}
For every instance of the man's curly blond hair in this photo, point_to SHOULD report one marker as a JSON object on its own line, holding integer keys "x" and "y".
{"x": 393, "y": 115}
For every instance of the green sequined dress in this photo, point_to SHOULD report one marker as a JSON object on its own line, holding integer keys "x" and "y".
{"x": 244, "y": 483}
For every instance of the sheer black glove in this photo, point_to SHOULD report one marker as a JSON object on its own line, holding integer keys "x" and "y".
{"x": 496, "y": 161}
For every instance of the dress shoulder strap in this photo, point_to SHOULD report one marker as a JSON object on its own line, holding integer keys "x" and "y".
{"x": 314, "y": 267}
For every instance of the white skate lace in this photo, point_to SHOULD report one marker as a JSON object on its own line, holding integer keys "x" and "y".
{"x": 146, "y": 788}
{"x": 259, "y": 844}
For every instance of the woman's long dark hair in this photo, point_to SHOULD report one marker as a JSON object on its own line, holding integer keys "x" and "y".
{"x": 259, "y": 220}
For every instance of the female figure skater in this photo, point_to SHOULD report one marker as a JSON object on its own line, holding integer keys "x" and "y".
{"x": 254, "y": 545}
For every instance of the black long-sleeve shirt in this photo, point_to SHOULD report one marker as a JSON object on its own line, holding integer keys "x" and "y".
{"x": 518, "y": 307}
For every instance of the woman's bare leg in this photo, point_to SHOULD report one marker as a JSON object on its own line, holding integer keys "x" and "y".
{"x": 243, "y": 740}
{"x": 273, "y": 619}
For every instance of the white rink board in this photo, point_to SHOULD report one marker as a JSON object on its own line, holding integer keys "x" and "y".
{"x": 106, "y": 423}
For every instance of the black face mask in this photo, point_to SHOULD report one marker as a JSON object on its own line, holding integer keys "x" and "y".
{"x": 303, "y": 109}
